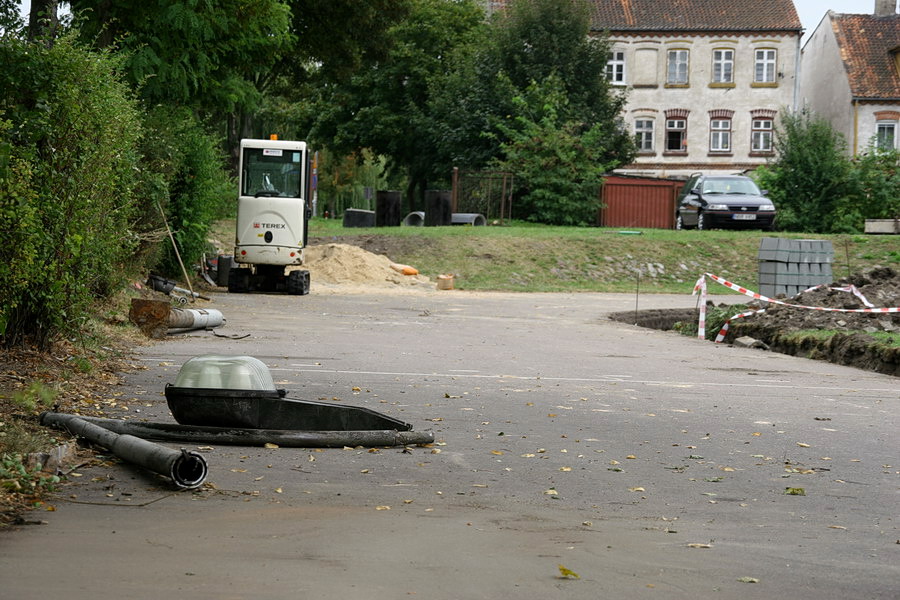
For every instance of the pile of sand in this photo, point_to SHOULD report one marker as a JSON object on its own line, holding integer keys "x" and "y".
{"x": 346, "y": 264}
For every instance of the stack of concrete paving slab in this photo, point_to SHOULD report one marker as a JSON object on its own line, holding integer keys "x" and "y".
{"x": 787, "y": 267}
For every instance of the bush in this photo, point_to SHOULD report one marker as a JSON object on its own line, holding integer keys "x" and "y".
{"x": 71, "y": 162}
{"x": 558, "y": 164}
{"x": 184, "y": 173}
{"x": 18, "y": 221}
{"x": 809, "y": 178}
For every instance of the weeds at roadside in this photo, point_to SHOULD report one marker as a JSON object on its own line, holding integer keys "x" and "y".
{"x": 716, "y": 316}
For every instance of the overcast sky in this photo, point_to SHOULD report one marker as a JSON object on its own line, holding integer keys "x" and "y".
{"x": 810, "y": 11}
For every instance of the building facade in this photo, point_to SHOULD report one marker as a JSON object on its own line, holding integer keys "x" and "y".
{"x": 705, "y": 79}
{"x": 851, "y": 76}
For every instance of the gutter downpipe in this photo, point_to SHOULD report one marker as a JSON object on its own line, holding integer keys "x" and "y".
{"x": 798, "y": 71}
{"x": 855, "y": 125}
{"x": 187, "y": 470}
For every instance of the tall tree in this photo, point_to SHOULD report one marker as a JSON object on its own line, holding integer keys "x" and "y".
{"x": 204, "y": 55}
{"x": 43, "y": 20}
{"x": 534, "y": 92}
{"x": 559, "y": 165}
{"x": 536, "y": 39}
{"x": 10, "y": 19}
{"x": 386, "y": 107}
{"x": 223, "y": 57}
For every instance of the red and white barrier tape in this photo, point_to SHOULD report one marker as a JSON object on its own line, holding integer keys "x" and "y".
{"x": 701, "y": 287}
{"x": 850, "y": 288}
{"x": 758, "y": 296}
{"x": 701, "y": 325}
{"x": 722, "y": 332}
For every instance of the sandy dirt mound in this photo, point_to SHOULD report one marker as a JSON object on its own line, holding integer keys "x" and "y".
{"x": 343, "y": 264}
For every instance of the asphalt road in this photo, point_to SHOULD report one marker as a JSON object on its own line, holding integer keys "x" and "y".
{"x": 650, "y": 464}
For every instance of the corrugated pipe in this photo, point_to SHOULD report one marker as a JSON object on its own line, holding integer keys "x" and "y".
{"x": 287, "y": 438}
{"x": 187, "y": 469}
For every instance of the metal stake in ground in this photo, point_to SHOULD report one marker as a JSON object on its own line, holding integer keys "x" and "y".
{"x": 177, "y": 253}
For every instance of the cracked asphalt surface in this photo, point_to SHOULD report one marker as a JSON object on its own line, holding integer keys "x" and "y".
{"x": 650, "y": 464}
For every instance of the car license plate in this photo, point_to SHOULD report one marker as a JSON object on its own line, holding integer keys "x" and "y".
{"x": 743, "y": 217}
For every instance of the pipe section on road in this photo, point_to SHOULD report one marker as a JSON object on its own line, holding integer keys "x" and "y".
{"x": 187, "y": 470}
{"x": 286, "y": 438}
{"x": 195, "y": 318}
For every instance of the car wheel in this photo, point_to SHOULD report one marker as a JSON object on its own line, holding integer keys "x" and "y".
{"x": 701, "y": 221}
{"x": 679, "y": 222}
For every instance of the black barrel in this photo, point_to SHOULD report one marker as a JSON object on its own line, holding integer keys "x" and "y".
{"x": 438, "y": 211}
{"x": 387, "y": 208}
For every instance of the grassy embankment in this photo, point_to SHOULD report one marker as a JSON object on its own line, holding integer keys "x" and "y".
{"x": 532, "y": 258}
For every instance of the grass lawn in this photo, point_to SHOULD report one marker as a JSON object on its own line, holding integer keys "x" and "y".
{"x": 537, "y": 258}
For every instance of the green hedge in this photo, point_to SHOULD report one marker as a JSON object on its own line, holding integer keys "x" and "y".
{"x": 70, "y": 148}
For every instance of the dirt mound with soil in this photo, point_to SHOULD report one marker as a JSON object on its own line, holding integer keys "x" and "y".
{"x": 787, "y": 328}
{"x": 853, "y": 345}
{"x": 351, "y": 265}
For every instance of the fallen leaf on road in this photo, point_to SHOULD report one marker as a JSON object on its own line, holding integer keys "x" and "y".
{"x": 270, "y": 445}
{"x": 382, "y": 508}
{"x": 794, "y": 491}
{"x": 636, "y": 489}
{"x": 748, "y": 579}
{"x": 497, "y": 452}
{"x": 802, "y": 445}
{"x": 565, "y": 573}
{"x": 551, "y": 492}
{"x": 695, "y": 545}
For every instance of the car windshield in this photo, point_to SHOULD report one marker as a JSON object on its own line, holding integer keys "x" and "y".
{"x": 730, "y": 185}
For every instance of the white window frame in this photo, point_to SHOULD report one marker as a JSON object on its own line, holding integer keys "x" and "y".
{"x": 765, "y": 65}
{"x": 723, "y": 65}
{"x": 678, "y": 66}
{"x": 762, "y": 135}
{"x": 644, "y": 134}
{"x": 676, "y": 124}
{"x": 615, "y": 67}
{"x": 885, "y": 126}
{"x": 720, "y": 135}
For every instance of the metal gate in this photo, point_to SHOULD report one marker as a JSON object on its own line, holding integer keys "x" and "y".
{"x": 485, "y": 192}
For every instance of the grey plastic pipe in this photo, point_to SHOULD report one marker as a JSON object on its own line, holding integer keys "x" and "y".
{"x": 287, "y": 438}
{"x": 195, "y": 318}
{"x": 187, "y": 470}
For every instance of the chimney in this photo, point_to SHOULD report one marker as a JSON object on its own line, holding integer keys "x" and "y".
{"x": 884, "y": 8}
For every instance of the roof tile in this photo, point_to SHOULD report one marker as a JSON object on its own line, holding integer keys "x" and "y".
{"x": 695, "y": 15}
{"x": 866, "y": 43}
